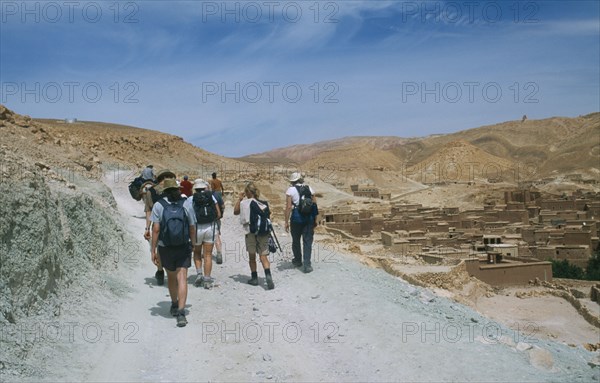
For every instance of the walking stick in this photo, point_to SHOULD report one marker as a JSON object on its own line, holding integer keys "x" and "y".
{"x": 275, "y": 238}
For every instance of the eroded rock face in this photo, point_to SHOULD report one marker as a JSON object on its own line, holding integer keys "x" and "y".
{"x": 55, "y": 245}
{"x": 48, "y": 237}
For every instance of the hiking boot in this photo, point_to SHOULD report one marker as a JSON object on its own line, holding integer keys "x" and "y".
{"x": 253, "y": 281}
{"x": 296, "y": 262}
{"x": 199, "y": 280}
{"x": 208, "y": 283}
{"x": 219, "y": 258}
{"x": 181, "y": 321}
{"x": 308, "y": 269}
{"x": 174, "y": 308}
{"x": 270, "y": 284}
{"x": 160, "y": 277}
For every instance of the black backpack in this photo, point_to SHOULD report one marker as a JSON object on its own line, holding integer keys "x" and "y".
{"x": 174, "y": 225}
{"x": 134, "y": 188}
{"x": 204, "y": 207}
{"x": 260, "y": 215}
{"x": 305, "y": 204}
{"x": 154, "y": 194}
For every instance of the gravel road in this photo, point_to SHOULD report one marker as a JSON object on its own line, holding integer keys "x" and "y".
{"x": 343, "y": 322}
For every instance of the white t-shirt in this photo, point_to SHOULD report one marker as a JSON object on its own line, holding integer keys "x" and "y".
{"x": 293, "y": 192}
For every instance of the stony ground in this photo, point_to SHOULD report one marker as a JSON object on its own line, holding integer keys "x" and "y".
{"x": 343, "y": 322}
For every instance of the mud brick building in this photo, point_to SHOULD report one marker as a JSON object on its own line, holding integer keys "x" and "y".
{"x": 526, "y": 225}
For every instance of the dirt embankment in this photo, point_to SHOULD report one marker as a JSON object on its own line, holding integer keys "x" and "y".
{"x": 59, "y": 240}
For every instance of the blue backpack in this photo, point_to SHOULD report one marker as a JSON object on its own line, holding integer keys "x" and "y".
{"x": 174, "y": 225}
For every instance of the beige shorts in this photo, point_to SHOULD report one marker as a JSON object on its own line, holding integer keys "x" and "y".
{"x": 257, "y": 244}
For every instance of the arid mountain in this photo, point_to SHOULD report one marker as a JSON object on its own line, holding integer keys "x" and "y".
{"x": 131, "y": 146}
{"x": 460, "y": 161}
{"x": 547, "y": 147}
{"x": 555, "y": 145}
{"x": 406, "y": 168}
{"x": 303, "y": 153}
{"x": 86, "y": 150}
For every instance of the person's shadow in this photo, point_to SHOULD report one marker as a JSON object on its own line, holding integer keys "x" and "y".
{"x": 191, "y": 278}
{"x": 240, "y": 278}
{"x": 285, "y": 265}
{"x": 163, "y": 309}
{"x": 243, "y": 279}
{"x": 151, "y": 281}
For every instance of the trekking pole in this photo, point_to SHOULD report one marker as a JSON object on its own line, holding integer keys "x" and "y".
{"x": 275, "y": 238}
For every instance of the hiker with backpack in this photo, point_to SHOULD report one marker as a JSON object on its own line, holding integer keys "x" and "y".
{"x": 147, "y": 173}
{"x": 173, "y": 236}
{"x": 206, "y": 211}
{"x": 136, "y": 186}
{"x": 255, "y": 218}
{"x": 151, "y": 193}
{"x": 301, "y": 219}
{"x": 218, "y": 243}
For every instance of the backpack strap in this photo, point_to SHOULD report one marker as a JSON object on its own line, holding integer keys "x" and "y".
{"x": 164, "y": 204}
{"x": 299, "y": 190}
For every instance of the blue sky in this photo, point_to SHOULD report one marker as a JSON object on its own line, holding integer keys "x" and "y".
{"x": 241, "y": 77}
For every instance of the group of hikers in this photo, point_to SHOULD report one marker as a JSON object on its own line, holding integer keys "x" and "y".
{"x": 184, "y": 218}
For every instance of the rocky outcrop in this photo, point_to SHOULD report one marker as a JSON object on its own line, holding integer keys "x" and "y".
{"x": 56, "y": 246}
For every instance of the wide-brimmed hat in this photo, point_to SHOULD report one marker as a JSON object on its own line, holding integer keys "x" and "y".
{"x": 296, "y": 176}
{"x": 170, "y": 184}
{"x": 200, "y": 184}
{"x": 164, "y": 174}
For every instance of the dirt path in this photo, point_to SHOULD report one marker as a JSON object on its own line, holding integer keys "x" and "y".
{"x": 343, "y": 322}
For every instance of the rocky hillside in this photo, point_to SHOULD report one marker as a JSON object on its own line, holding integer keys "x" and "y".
{"x": 554, "y": 146}
{"x": 130, "y": 146}
{"x": 59, "y": 238}
{"x": 461, "y": 161}
{"x": 303, "y": 153}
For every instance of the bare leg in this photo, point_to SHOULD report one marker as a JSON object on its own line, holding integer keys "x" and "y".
{"x": 264, "y": 259}
{"x": 207, "y": 248}
{"x": 252, "y": 262}
{"x": 181, "y": 285}
{"x": 198, "y": 256}
{"x": 172, "y": 284}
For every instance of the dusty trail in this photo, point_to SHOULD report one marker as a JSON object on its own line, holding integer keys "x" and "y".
{"x": 343, "y": 322}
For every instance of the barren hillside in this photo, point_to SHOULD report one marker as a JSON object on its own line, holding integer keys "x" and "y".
{"x": 556, "y": 145}
{"x": 303, "y": 153}
{"x": 461, "y": 161}
{"x": 129, "y": 145}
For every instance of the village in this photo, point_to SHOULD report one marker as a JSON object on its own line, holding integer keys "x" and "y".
{"x": 503, "y": 243}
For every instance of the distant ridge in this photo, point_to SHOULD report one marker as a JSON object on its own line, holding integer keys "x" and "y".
{"x": 556, "y": 145}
